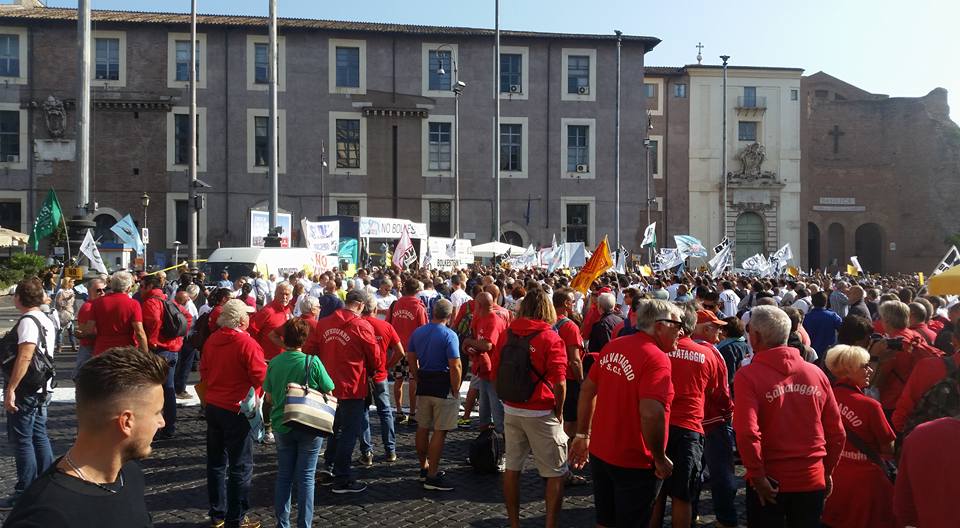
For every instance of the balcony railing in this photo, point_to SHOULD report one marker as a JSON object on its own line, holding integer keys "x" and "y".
{"x": 752, "y": 102}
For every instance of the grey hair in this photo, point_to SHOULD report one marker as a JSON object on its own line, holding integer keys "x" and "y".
{"x": 284, "y": 284}
{"x": 121, "y": 281}
{"x": 193, "y": 290}
{"x": 650, "y": 310}
{"x": 771, "y": 323}
{"x": 606, "y": 301}
{"x": 371, "y": 305}
{"x": 442, "y": 309}
{"x": 93, "y": 280}
{"x": 308, "y": 303}
{"x": 895, "y": 315}
{"x": 233, "y": 313}
{"x": 689, "y": 317}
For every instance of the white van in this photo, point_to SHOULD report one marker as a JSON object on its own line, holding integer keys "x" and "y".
{"x": 277, "y": 261}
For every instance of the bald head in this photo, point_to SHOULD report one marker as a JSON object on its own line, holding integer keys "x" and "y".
{"x": 484, "y": 302}
{"x": 855, "y": 294}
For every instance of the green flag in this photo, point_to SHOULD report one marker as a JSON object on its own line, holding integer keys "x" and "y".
{"x": 47, "y": 219}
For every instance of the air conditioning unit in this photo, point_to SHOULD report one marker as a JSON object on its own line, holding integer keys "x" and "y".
{"x": 515, "y": 88}
{"x": 583, "y": 167}
{"x": 13, "y": 158}
{"x": 583, "y": 90}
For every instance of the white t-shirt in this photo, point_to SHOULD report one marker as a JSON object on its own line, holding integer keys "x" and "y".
{"x": 730, "y": 301}
{"x": 383, "y": 304}
{"x": 27, "y": 332}
{"x": 458, "y": 297}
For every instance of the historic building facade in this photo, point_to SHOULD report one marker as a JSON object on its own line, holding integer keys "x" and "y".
{"x": 366, "y": 125}
{"x": 880, "y": 177}
{"x": 763, "y": 154}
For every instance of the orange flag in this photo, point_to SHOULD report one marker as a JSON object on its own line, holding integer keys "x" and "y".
{"x": 598, "y": 263}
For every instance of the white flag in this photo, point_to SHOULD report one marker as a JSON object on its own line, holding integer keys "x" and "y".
{"x": 856, "y": 263}
{"x": 719, "y": 247}
{"x": 721, "y": 261}
{"x": 557, "y": 257}
{"x": 89, "y": 249}
{"x": 427, "y": 259}
{"x": 621, "y": 266}
{"x": 667, "y": 258}
{"x": 649, "y": 236}
{"x": 405, "y": 254}
{"x": 951, "y": 259}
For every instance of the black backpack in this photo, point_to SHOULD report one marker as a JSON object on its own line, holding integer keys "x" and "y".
{"x": 940, "y": 401}
{"x": 42, "y": 368}
{"x": 486, "y": 451}
{"x": 174, "y": 323}
{"x": 201, "y": 331}
{"x": 602, "y": 331}
{"x": 514, "y": 380}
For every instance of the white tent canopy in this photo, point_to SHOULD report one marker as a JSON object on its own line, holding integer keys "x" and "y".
{"x": 493, "y": 249}
{"x": 9, "y": 237}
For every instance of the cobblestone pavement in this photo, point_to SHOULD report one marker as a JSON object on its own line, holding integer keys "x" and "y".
{"x": 177, "y": 497}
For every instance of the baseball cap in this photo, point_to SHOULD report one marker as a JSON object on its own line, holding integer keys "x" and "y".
{"x": 706, "y": 316}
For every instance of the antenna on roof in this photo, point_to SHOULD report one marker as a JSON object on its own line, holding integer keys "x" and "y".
{"x": 699, "y": 47}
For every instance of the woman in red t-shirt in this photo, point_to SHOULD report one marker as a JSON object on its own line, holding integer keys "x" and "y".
{"x": 862, "y": 495}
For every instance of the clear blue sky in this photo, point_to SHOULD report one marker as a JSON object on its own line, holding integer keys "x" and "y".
{"x": 897, "y": 48}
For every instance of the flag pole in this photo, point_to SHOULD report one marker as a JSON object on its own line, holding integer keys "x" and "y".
{"x": 63, "y": 221}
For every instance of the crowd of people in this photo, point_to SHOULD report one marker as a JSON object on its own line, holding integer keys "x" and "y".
{"x": 837, "y": 395}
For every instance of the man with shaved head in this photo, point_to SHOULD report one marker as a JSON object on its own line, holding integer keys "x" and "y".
{"x": 489, "y": 332}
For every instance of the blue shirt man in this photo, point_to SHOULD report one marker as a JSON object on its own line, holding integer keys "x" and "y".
{"x": 821, "y": 324}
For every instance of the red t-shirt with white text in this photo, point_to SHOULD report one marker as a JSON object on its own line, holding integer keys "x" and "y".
{"x": 629, "y": 369}
{"x": 406, "y": 315}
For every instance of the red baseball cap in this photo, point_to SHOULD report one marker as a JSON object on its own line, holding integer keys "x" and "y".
{"x": 605, "y": 290}
{"x": 706, "y": 316}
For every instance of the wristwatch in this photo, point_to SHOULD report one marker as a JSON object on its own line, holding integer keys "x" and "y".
{"x": 585, "y": 436}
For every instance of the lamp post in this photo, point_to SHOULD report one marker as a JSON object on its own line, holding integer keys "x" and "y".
{"x": 617, "y": 148}
{"x": 176, "y": 252}
{"x": 145, "y": 202}
{"x": 647, "y": 165}
{"x": 457, "y": 87}
{"x": 723, "y": 148}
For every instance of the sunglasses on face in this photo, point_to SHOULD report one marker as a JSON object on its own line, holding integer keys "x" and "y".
{"x": 671, "y": 322}
{"x": 100, "y": 290}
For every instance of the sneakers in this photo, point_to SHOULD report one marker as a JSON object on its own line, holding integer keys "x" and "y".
{"x": 269, "y": 439}
{"x": 463, "y": 423}
{"x": 366, "y": 460}
{"x": 8, "y": 503}
{"x": 437, "y": 483}
{"x": 184, "y": 396}
{"x": 423, "y": 474}
{"x": 349, "y": 487}
{"x": 402, "y": 419}
{"x": 324, "y": 477}
{"x": 217, "y": 523}
{"x": 391, "y": 457}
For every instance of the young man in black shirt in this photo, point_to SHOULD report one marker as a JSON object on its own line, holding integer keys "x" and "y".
{"x": 97, "y": 482}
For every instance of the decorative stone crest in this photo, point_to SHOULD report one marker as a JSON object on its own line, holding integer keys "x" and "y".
{"x": 751, "y": 160}
{"x": 55, "y": 116}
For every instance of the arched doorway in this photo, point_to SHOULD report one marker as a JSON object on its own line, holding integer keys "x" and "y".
{"x": 868, "y": 242}
{"x": 836, "y": 247}
{"x": 813, "y": 245}
{"x": 511, "y": 237}
{"x": 749, "y": 235}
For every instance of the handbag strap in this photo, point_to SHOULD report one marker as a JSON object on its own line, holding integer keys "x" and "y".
{"x": 306, "y": 368}
{"x": 860, "y": 444}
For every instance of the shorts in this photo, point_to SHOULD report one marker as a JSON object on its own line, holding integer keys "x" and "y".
{"x": 685, "y": 450}
{"x": 401, "y": 371}
{"x": 474, "y": 383}
{"x": 542, "y": 435}
{"x": 623, "y": 497}
{"x": 437, "y": 414}
{"x": 570, "y": 401}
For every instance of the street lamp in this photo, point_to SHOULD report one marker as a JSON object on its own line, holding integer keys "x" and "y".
{"x": 145, "y": 202}
{"x": 457, "y": 86}
{"x": 723, "y": 148}
{"x": 176, "y": 252}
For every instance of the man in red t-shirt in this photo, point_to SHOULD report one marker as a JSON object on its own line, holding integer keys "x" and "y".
{"x": 389, "y": 352}
{"x": 96, "y": 287}
{"x": 788, "y": 427}
{"x": 269, "y": 319}
{"x": 152, "y": 306}
{"x": 927, "y": 486}
{"x": 488, "y": 329}
{"x": 406, "y": 314}
{"x": 569, "y": 332}
{"x": 347, "y": 347}
{"x": 896, "y": 366}
{"x": 626, "y": 399}
{"x": 116, "y": 319}
{"x": 695, "y": 375}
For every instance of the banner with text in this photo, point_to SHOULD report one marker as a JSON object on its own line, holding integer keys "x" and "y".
{"x": 322, "y": 236}
{"x": 371, "y": 227}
